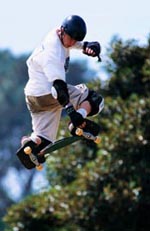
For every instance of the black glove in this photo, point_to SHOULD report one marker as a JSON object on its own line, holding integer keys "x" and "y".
{"x": 95, "y": 46}
{"x": 76, "y": 118}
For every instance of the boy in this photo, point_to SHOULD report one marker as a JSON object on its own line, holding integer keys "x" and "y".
{"x": 47, "y": 92}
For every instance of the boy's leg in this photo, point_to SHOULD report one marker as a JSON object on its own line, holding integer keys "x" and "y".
{"x": 82, "y": 97}
{"x": 87, "y": 103}
{"x": 45, "y": 113}
{"x": 45, "y": 125}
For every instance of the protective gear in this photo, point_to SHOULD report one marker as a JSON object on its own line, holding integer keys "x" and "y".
{"x": 75, "y": 27}
{"x": 76, "y": 118}
{"x": 60, "y": 92}
{"x": 96, "y": 101}
{"x": 95, "y": 46}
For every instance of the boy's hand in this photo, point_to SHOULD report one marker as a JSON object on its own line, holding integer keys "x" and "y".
{"x": 92, "y": 49}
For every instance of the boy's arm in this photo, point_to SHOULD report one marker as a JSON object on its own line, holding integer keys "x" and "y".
{"x": 89, "y": 48}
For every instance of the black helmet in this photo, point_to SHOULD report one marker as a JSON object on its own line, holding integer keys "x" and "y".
{"x": 75, "y": 26}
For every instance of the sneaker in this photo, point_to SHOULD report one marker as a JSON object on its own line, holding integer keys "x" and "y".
{"x": 26, "y": 139}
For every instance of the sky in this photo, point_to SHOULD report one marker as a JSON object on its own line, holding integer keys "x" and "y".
{"x": 24, "y": 23}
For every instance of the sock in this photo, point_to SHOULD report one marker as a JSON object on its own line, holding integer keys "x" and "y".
{"x": 83, "y": 112}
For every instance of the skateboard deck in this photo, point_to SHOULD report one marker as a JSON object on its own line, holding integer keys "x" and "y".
{"x": 31, "y": 160}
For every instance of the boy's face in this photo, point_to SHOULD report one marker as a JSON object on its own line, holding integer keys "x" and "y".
{"x": 67, "y": 40}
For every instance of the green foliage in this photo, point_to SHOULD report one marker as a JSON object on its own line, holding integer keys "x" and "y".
{"x": 129, "y": 66}
{"x": 14, "y": 118}
{"x": 13, "y": 77}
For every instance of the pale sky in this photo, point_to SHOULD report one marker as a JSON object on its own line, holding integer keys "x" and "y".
{"x": 23, "y": 23}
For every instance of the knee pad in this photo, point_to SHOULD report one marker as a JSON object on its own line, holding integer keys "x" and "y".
{"x": 96, "y": 101}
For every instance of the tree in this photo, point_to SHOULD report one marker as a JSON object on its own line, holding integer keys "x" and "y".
{"x": 129, "y": 66}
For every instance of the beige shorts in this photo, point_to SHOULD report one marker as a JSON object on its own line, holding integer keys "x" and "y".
{"x": 46, "y": 111}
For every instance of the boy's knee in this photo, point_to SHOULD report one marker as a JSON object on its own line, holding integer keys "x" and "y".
{"x": 96, "y": 101}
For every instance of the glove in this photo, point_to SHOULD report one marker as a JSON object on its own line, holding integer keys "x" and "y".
{"x": 76, "y": 118}
{"x": 95, "y": 46}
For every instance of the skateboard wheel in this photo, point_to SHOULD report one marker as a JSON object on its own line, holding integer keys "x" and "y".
{"x": 79, "y": 132}
{"x": 27, "y": 150}
{"x": 97, "y": 140}
{"x": 39, "y": 167}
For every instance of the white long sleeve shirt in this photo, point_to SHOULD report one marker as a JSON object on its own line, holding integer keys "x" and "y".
{"x": 46, "y": 64}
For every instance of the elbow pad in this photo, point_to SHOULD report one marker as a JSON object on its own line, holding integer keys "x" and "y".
{"x": 59, "y": 91}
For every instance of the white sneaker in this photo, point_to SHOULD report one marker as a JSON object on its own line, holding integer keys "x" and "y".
{"x": 26, "y": 139}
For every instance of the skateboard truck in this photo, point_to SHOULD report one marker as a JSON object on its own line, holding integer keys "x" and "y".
{"x": 86, "y": 135}
{"x": 33, "y": 158}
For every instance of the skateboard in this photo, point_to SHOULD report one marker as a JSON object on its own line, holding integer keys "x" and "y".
{"x": 30, "y": 160}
